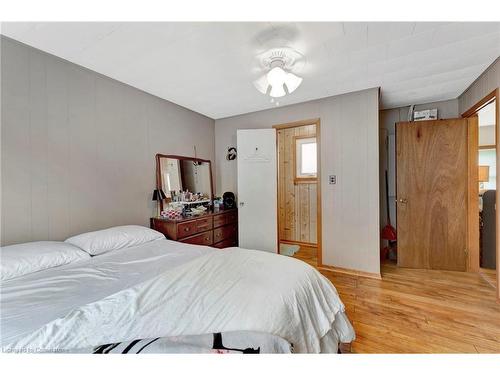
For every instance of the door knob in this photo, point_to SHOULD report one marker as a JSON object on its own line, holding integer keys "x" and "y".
{"x": 403, "y": 200}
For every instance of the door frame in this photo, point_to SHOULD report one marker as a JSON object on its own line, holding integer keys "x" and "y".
{"x": 295, "y": 124}
{"x": 472, "y": 111}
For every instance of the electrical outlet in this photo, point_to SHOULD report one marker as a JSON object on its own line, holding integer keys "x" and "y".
{"x": 332, "y": 179}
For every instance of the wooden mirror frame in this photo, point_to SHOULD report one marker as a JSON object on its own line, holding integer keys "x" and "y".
{"x": 158, "y": 171}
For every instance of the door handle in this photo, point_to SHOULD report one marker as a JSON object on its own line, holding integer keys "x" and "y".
{"x": 403, "y": 200}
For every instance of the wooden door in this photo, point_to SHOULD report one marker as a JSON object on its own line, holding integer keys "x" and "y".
{"x": 432, "y": 194}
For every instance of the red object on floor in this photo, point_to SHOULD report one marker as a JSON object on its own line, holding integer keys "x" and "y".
{"x": 389, "y": 233}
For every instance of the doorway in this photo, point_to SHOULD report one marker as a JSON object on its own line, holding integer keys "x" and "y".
{"x": 298, "y": 171}
{"x": 487, "y": 112}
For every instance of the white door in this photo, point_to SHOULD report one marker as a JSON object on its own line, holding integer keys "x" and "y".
{"x": 257, "y": 189}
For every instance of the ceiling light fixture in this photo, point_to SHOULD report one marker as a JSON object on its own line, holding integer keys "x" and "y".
{"x": 279, "y": 80}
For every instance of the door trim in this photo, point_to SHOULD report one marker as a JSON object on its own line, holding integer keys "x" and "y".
{"x": 308, "y": 244}
{"x": 351, "y": 272}
{"x": 472, "y": 195}
{"x": 482, "y": 103}
{"x": 493, "y": 95}
{"x": 295, "y": 124}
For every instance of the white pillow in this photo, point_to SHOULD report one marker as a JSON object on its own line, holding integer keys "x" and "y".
{"x": 25, "y": 258}
{"x": 114, "y": 238}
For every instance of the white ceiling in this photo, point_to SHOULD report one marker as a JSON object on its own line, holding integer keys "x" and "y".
{"x": 209, "y": 67}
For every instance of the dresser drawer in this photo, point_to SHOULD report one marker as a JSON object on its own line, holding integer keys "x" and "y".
{"x": 205, "y": 238}
{"x": 186, "y": 229}
{"x": 231, "y": 217}
{"x": 225, "y": 218}
{"x": 204, "y": 224}
{"x": 219, "y": 220}
{"x": 220, "y": 228}
{"x": 225, "y": 232}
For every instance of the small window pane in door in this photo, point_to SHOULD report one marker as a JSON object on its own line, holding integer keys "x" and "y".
{"x": 306, "y": 158}
{"x": 308, "y": 165}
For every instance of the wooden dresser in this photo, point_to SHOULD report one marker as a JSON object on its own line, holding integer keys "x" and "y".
{"x": 218, "y": 228}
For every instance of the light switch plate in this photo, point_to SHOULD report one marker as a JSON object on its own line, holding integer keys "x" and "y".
{"x": 332, "y": 179}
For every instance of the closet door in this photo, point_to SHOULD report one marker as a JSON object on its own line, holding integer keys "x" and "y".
{"x": 257, "y": 189}
{"x": 432, "y": 194}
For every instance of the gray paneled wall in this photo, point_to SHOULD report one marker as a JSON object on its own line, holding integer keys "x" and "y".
{"x": 486, "y": 83}
{"x": 349, "y": 149}
{"x": 387, "y": 121}
{"x": 78, "y": 148}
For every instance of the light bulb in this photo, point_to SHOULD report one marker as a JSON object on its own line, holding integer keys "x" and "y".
{"x": 277, "y": 82}
{"x": 292, "y": 82}
{"x": 277, "y": 91}
{"x": 262, "y": 84}
{"x": 276, "y": 77}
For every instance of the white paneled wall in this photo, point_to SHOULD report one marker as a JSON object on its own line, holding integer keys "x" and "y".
{"x": 78, "y": 148}
{"x": 350, "y": 150}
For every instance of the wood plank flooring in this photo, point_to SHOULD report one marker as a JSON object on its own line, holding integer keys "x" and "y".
{"x": 490, "y": 276}
{"x": 418, "y": 311}
{"x": 308, "y": 255}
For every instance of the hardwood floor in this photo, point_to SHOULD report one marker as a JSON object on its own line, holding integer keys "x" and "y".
{"x": 418, "y": 311}
{"x": 308, "y": 255}
{"x": 490, "y": 276}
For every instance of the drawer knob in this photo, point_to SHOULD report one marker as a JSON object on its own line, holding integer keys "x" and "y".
{"x": 186, "y": 229}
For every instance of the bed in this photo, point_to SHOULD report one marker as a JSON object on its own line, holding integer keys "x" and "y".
{"x": 168, "y": 296}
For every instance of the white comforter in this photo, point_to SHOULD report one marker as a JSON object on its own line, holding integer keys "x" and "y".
{"x": 29, "y": 302}
{"x": 215, "y": 291}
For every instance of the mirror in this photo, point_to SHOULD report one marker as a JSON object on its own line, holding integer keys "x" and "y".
{"x": 177, "y": 173}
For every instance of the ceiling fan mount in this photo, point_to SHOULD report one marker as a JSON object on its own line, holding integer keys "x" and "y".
{"x": 279, "y": 66}
{"x": 284, "y": 57}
